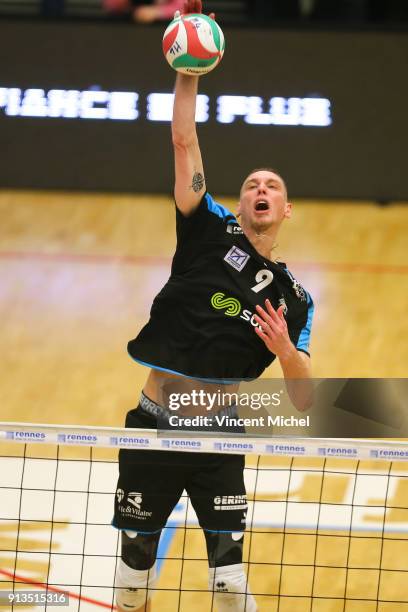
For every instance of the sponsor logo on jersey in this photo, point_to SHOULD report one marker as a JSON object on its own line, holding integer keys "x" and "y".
{"x": 234, "y": 229}
{"x": 232, "y": 308}
{"x": 230, "y": 502}
{"x": 120, "y": 494}
{"x": 231, "y": 305}
{"x": 236, "y": 258}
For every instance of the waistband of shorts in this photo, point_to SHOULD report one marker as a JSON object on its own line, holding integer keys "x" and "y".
{"x": 150, "y": 407}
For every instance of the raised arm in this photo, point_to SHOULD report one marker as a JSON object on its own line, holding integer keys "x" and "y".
{"x": 190, "y": 182}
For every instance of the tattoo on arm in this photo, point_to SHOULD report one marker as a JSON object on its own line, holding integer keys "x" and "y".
{"x": 198, "y": 182}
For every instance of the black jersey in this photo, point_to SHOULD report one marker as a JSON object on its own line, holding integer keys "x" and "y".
{"x": 202, "y": 321}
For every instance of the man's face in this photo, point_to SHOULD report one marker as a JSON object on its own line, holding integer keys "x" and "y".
{"x": 263, "y": 202}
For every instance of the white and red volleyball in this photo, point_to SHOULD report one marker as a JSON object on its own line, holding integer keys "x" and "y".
{"x": 193, "y": 44}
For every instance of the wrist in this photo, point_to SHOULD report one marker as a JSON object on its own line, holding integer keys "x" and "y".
{"x": 187, "y": 80}
{"x": 287, "y": 354}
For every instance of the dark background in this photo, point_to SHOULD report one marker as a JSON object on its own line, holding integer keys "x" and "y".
{"x": 362, "y": 155}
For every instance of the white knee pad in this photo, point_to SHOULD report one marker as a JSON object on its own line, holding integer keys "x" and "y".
{"x": 132, "y": 587}
{"x": 231, "y": 590}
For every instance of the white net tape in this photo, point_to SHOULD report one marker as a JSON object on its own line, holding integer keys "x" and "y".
{"x": 109, "y": 437}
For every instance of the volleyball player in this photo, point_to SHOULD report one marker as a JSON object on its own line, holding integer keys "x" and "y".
{"x": 196, "y": 337}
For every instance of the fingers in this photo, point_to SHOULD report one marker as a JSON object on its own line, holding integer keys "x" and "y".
{"x": 196, "y": 6}
{"x": 192, "y": 6}
{"x": 270, "y": 315}
{"x": 261, "y": 334}
{"x": 271, "y": 320}
{"x": 281, "y": 312}
{"x": 271, "y": 327}
{"x": 267, "y": 327}
{"x": 271, "y": 311}
{"x": 262, "y": 312}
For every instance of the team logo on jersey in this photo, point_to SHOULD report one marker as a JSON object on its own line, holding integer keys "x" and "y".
{"x": 234, "y": 229}
{"x": 231, "y": 306}
{"x": 120, "y": 494}
{"x": 236, "y": 258}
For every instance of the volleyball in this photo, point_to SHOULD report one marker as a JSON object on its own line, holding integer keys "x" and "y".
{"x": 193, "y": 44}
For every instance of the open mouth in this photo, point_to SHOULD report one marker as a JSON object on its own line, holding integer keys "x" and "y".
{"x": 261, "y": 206}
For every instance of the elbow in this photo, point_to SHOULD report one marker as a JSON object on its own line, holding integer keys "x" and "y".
{"x": 179, "y": 142}
{"x": 301, "y": 393}
{"x": 303, "y": 404}
{"x": 183, "y": 141}
{"x": 304, "y": 400}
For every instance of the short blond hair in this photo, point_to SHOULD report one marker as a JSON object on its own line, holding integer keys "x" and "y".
{"x": 265, "y": 169}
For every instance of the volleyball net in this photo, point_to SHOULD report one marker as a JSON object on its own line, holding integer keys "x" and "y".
{"x": 327, "y": 522}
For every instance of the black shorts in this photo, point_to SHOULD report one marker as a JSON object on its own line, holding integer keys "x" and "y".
{"x": 151, "y": 483}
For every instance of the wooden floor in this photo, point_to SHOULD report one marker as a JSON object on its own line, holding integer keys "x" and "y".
{"x": 79, "y": 272}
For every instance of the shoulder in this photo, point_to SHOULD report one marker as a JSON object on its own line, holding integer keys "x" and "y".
{"x": 217, "y": 209}
{"x": 207, "y": 209}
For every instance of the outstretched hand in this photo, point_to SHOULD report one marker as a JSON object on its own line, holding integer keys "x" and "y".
{"x": 273, "y": 329}
{"x": 194, "y": 6}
